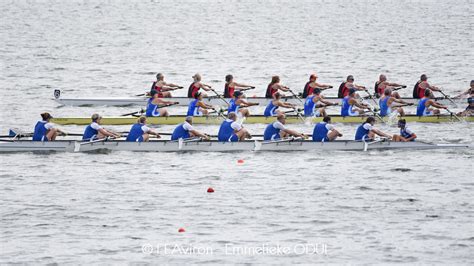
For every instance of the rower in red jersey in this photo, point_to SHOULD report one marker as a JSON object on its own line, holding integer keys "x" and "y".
{"x": 196, "y": 86}
{"x": 274, "y": 87}
{"x": 383, "y": 84}
{"x": 347, "y": 85}
{"x": 312, "y": 84}
{"x": 163, "y": 88}
{"x": 231, "y": 86}
{"x": 421, "y": 86}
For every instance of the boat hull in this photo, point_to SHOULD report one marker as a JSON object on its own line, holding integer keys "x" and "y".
{"x": 175, "y": 120}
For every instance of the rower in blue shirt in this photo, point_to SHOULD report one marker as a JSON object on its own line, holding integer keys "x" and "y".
{"x": 231, "y": 131}
{"x": 155, "y": 105}
{"x": 274, "y": 104}
{"x": 386, "y": 104}
{"x": 95, "y": 131}
{"x": 325, "y": 131}
{"x": 186, "y": 130}
{"x": 315, "y": 104}
{"x": 405, "y": 133}
{"x": 423, "y": 108}
{"x": 350, "y": 102}
{"x": 140, "y": 132}
{"x": 278, "y": 130}
{"x": 237, "y": 104}
{"x": 197, "y": 107}
{"x": 45, "y": 130}
{"x": 366, "y": 131}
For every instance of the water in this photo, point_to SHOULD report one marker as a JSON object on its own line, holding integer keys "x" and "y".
{"x": 376, "y": 207}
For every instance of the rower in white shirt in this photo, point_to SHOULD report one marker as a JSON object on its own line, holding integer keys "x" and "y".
{"x": 278, "y": 130}
{"x": 325, "y": 131}
{"x": 186, "y": 130}
{"x": 95, "y": 131}
{"x": 45, "y": 130}
{"x": 231, "y": 131}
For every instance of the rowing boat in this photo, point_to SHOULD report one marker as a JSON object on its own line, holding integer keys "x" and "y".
{"x": 184, "y": 101}
{"x": 256, "y": 119}
{"x": 216, "y": 146}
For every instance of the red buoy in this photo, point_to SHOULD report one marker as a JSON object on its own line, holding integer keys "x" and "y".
{"x": 210, "y": 190}
{"x": 181, "y": 230}
{"x": 240, "y": 161}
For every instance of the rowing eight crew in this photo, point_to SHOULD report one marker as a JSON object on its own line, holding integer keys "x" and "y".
{"x": 229, "y": 131}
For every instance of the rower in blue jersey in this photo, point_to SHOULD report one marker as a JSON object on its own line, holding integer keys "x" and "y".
{"x": 197, "y": 107}
{"x": 274, "y": 104}
{"x": 45, "y": 130}
{"x": 237, "y": 104}
{"x": 348, "y": 103}
{"x": 423, "y": 108}
{"x": 140, "y": 132}
{"x": 95, "y": 131}
{"x": 231, "y": 131}
{"x": 315, "y": 104}
{"x": 386, "y": 104}
{"x": 366, "y": 131}
{"x": 324, "y": 131}
{"x": 469, "y": 111}
{"x": 155, "y": 105}
{"x": 405, "y": 133}
{"x": 278, "y": 130}
{"x": 186, "y": 130}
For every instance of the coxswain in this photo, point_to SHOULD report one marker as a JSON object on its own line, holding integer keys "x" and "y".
{"x": 315, "y": 104}
{"x": 346, "y": 86}
{"x": 231, "y": 131}
{"x": 155, "y": 105}
{"x": 425, "y": 103}
{"x": 197, "y": 107}
{"x": 469, "y": 111}
{"x": 312, "y": 84}
{"x": 469, "y": 93}
{"x": 95, "y": 131}
{"x": 186, "y": 130}
{"x": 274, "y": 104}
{"x": 196, "y": 86}
{"x": 383, "y": 84}
{"x": 140, "y": 132}
{"x": 237, "y": 104}
{"x": 386, "y": 104}
{"x": 230, "y": 86}
{"x": 163, "y": 88}
{"x": 278, "y": 130}
{"x": 348, "y": 103}
{"x": 45, "y": 130}
{"x": 274, "y": 87}
{"x": 367, "y": 131}
{"x": 324, "y": 131}
{"x": 405, "y": 133}
{"x": 421, "y": 86}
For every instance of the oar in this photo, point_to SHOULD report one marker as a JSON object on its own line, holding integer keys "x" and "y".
{"x": 134, "y": 113}
{"x": 78, "y": 145}
{"x": 449, "y": 98}
{"x": 453, "y": 114}
{"x": 220, "y": 96}
{"x": 296, "y": 96}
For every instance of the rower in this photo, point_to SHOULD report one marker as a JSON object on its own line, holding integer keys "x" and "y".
{"x": 231, "y": 86}
{"x": 346, "y": 86}
{"x": 163, "y": 88}
{"x": 231, "y": 131}
{"x": 425, "y": 103}
{"x": 469, "y": 93}
{"x": 274, "y": 87}
{"x": 274, "y": 104}
{"x": 197, "y": 107}
{"x": 383, "y": 84}
{"x": 405, "y": 133}
{"x": 95, "y": 131}
{"x": 237, "y": 104}
{"x": 45, "y": 130}
{"x": 421, "y": 86}
{"x": 469, "y": 111}
{"x": 186, "y": 130}
{"x": 366, "y": 131}
{"x": 325, "y": 131}
{"x": 315, "y": 104}
{"x": 348, "y": 103}
{"x": 278, "y": 130}
{"x": 196, "y": 85}
{"x": 312, "y": 84}
{"x": 140, "y": 132}
{"x": 386, "y": 104}
{"x": 154, "y": 105}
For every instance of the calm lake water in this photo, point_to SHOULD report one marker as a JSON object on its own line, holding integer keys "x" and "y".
{"x": 334, "y": 207}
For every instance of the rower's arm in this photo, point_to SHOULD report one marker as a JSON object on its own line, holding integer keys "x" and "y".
{"x": 360, "y": 105}
{"x": 323, "y": 86}
{"x": 462, "y": 94}
{"x": 107, "y": 133}
{"x": 327, "y": 102}
{"x": 205, "y": 87}
{"x": 380, "y": 133}
{"x": 437, "y": 105}
{"x": 412, "y": 137}
{"x": 241, "y": 85}
{"x": 433, "y": 88}
{"x": 285, "y": 105}
{"x": 199, "y": 134}
{"x": 292, "y": 132}
{"x": 205, "y": 106}
{"x": 283, "y": 88}
{"x": 163, "y": 102}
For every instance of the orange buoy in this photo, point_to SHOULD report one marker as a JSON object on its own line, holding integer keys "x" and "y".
{"x": 181, "y": 230}
{"x": 241, "y": 161}
{"x": 210, "y": 190}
